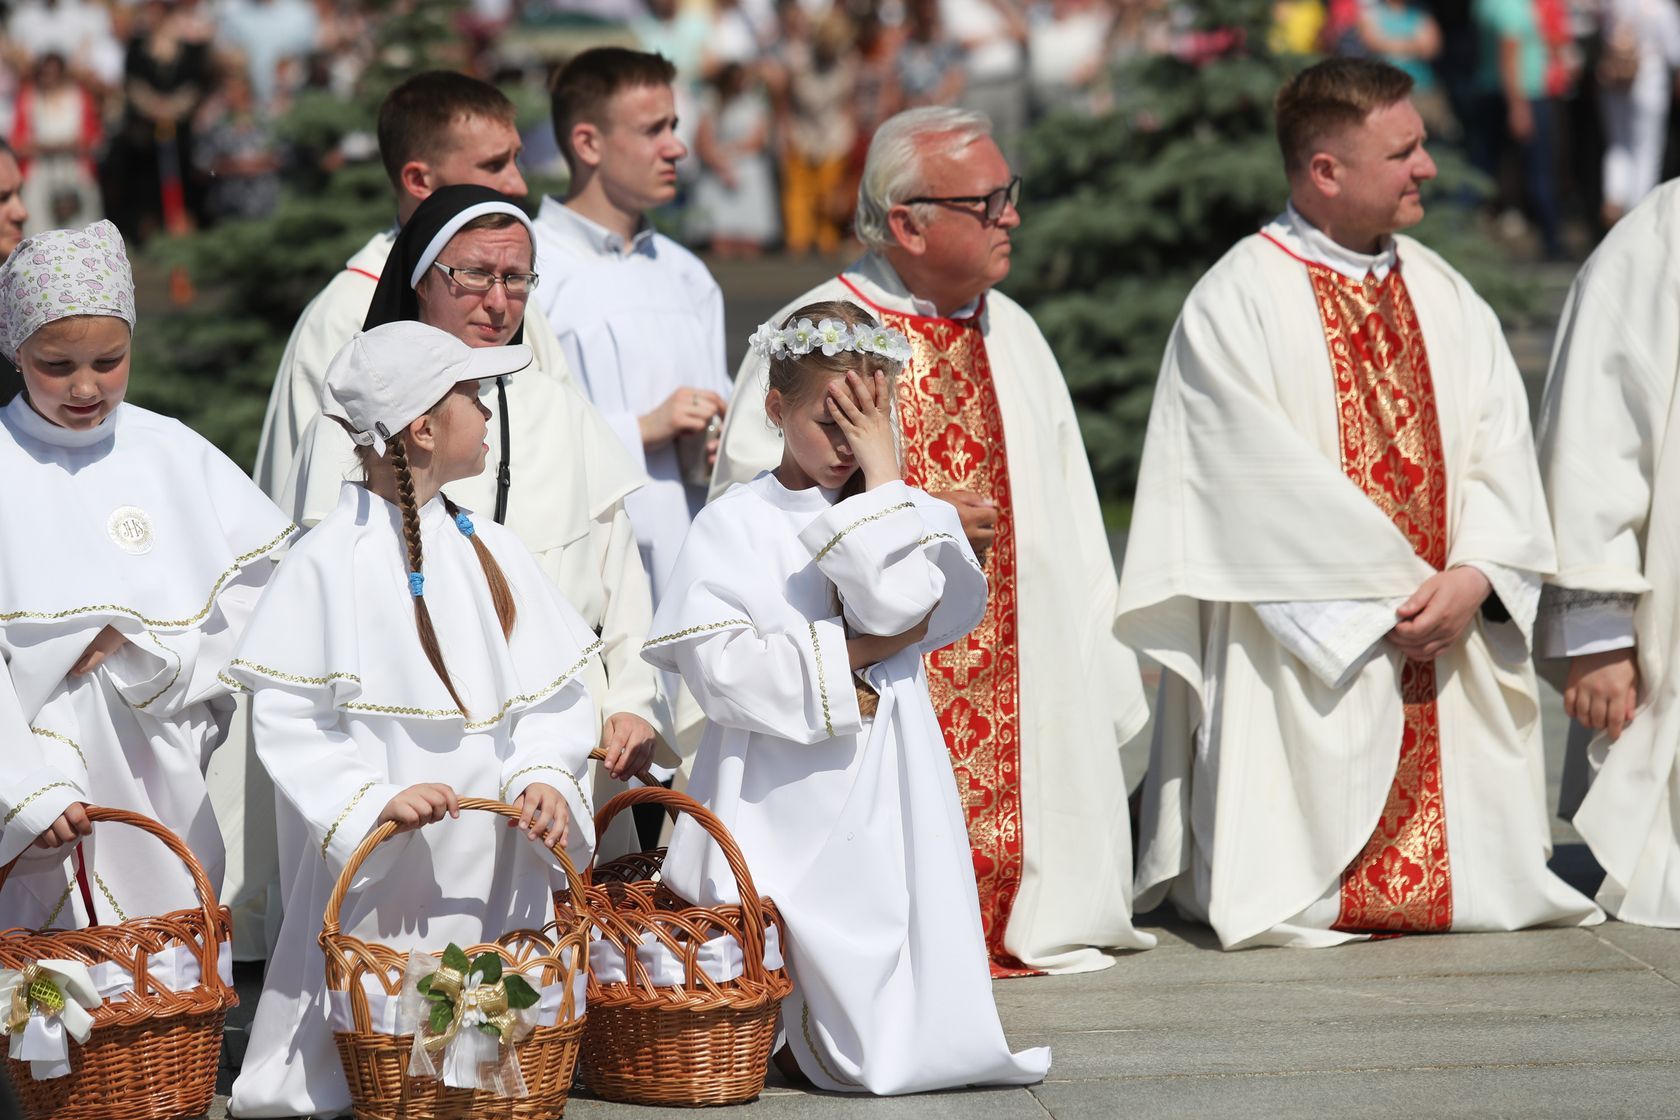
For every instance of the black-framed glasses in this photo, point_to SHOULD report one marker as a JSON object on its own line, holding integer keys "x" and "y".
{"x": 477, "y": 280}
{"x": 995, "y": 202}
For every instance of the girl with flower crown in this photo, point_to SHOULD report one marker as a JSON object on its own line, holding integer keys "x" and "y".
{"x": 799, "y": 610}
{"x": 132, "y": 557}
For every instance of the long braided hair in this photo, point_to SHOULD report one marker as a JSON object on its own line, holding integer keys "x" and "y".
{"x": 500, "y": 593}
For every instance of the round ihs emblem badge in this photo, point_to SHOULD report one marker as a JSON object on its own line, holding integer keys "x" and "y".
{"x": 130, "y": 530}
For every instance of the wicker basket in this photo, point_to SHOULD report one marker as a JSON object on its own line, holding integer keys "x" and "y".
{"x": 701, "y": 1043}
{"x": 153, "y": 1054}
{"x": 376, "y": 1065}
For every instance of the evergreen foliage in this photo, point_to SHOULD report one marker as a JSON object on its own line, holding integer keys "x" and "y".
{"x": 1124, "y": 212}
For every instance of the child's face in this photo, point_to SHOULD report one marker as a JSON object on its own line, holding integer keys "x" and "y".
{"x": 75, "y": 370}
{"x": 453, "y": 433}
{"x": 814, "y": 450}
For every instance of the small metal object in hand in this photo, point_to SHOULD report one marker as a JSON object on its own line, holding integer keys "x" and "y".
{"x": 691, "y": 451}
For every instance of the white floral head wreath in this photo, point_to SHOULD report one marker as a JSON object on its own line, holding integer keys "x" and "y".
{"x": 832, "y": 337}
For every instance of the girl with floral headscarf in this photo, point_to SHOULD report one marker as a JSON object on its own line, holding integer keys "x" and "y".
{"x": 133, "y": 554}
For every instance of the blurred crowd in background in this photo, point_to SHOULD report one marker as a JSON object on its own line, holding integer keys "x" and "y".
{"x": 162, "y": 115}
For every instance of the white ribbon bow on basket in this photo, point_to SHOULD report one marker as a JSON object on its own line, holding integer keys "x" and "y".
{"x": 46, "y": 1004}
{"x": 465, "y": 1016}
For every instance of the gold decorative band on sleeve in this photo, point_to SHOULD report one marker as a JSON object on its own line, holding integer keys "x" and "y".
{"x": 326, "y": 841}
{"x": 24, "y": 804}
{"x": 65, "y": 739}
{"x": 109, "y": 897}
{"x": 289, "y": 678}
{"x": 836, "y": 538}
{"x": 158, "y": 623}
{"x": 583, "y": 797}
{"x": 931, "y": 537}
{"x": 822, "y": 679}
{"x": 693, "y": 630}
{"x": 172, "y": 655}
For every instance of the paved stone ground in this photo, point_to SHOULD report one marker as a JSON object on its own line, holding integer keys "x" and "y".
{"x": 1543, "y": 1023}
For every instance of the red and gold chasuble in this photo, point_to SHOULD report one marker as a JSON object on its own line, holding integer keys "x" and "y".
{"x": 953, "y": 440}
{"x": 1391, "y": 450}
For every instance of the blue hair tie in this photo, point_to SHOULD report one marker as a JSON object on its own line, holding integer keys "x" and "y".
{"x": 416, "y": 584}
{"x": 464, "y": 523}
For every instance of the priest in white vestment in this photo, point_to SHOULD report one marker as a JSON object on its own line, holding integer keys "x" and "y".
{"x": 1610, "y": 617}
{"x": 639, "y": 317}
{"x": 1037, "y": 702}
{"x": 1335, "y": 555}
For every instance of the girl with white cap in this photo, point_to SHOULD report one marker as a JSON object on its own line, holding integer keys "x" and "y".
{"x": 133, "y": 554}
{"x": 408, "y": 654}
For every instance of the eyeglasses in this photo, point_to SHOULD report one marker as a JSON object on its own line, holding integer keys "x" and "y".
{"x": 994, "y": 202}
{"x": 477, "y": 280}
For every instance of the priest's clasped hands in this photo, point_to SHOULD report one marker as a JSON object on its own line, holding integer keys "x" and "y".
{"x": 1439, "y": 612}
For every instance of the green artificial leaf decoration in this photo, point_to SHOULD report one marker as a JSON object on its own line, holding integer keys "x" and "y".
{"x": 454, "y": 958}
{"x": 442, "y": 1013}
{"x": 520, "y": 994}
{"x": 424, "y": 987}
{"x": 440, "y": 997}
{"x": 490, "y": 1029}
{"x": 489, "y": 966}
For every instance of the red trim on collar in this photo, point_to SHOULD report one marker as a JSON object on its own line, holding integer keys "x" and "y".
{"x": 1305, "y": 261}
{"x": 979, "y": 309}
{"x": 361, "y": 272}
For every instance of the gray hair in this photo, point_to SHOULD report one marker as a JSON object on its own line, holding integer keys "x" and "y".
{"x": 894, "y": 170}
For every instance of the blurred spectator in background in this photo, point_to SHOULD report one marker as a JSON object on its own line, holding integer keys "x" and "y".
{"x": 56, "y": 132}
{"x": 679, "y": 33}
{"x": 1640, "y": 51}
{"x": 240, "y": 153}
{"x": 1297, "y": 26}
{"x": 993, "y": 36}
{"x": 817, "y": 129}
{"x": 13, "y": 214}
{"x": 79, "y": 31}
{"x": 930, "y": 64}
{"x": 1404, "y": 34}
{"x": 734, "y": 205}
{"x": 736, "y": 36}
{"x": 875, "y": 89}
{"x": 1513, "y": 108}
{"x": 270, "y": 34}
{"x": 166, "y": 76}
{"x": 1066, "y": 53}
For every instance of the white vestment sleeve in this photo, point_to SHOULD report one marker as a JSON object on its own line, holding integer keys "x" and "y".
{"x": 318, "y": 769}
{"x": 1333, "y": 638}
{"x": 165, "y": 674}
{"x": 1575, "y": 623}
{"x": 33, "y": 792}
{"x": 791, "y": 686}
{"x": 632, "y": 685}
{"x": 895, "y": 555}
{"x": 551, "y": 744}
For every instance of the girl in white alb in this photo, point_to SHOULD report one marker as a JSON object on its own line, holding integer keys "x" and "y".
{"x": 132, "y": 554}
{"x": 408, "y": 654}
{"x": 837, "y": 786}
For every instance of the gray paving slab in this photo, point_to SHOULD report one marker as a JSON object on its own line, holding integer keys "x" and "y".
{"x": 1658, "y": 948}
{"x": 974, "y": 1104}
{"x": 1566, "y": 1092}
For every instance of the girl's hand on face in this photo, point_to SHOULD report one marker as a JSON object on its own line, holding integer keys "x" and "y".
{"x": 419, "y": 805}
{"x": 863, "y": 412}
{"x": 104, "y": 644}
{"x": 542, "y": 812}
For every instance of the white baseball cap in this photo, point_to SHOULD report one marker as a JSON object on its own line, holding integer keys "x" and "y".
{"x": 386, "y": 378}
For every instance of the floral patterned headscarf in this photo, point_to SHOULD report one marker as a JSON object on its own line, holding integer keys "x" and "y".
{"x": 60, "y": 273}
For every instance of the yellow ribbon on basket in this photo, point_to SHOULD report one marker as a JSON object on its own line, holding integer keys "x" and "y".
{"x": 490, "y": 1001}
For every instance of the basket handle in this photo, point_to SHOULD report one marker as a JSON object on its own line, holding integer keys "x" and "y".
{"x": 210, "y": 953}
{"x": 752, "y": 908}
{"x": 329, "y": 920}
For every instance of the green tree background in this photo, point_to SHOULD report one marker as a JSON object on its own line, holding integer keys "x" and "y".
{"x": 1127, "y": 210}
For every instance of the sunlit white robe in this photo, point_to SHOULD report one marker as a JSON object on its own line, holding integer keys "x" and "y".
{"x": 1613, "y": 482}
{"x": 851, "y": 824}
{"x": 1278, "y": 725}
{"x": 348, "y": 713}
{"x": 141, "y": 525}
{"x": 1081, "y": 697}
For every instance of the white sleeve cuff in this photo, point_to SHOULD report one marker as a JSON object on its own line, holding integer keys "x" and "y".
{"x": 1574, "y": 624}
{"x": 1332, "y": 638}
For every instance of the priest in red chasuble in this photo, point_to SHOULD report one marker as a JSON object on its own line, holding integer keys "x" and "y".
{"x": 1037, "y": 702}
{"x": 1336, "y": 555}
